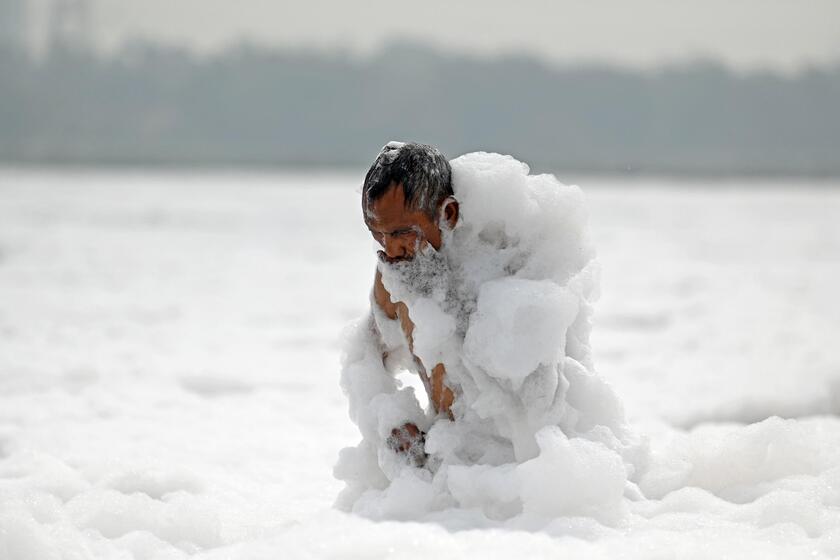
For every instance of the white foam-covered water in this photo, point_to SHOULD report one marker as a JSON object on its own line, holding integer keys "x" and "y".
{"x": 169, "y": 351}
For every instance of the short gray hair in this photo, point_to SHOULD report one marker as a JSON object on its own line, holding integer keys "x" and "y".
{"x": 423, "y": 172}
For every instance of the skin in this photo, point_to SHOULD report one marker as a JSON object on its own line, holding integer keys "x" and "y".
{"x": 401, "y": 231}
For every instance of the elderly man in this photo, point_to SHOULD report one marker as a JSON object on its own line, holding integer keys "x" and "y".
{"x": 488, "y": 298}
{"x": 406, "y": 199}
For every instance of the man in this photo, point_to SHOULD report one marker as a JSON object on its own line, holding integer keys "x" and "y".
{"x": 492, "y": 308}
{"x": 407, "y": 199}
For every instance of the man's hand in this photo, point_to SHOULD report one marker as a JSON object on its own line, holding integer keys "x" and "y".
{"x": 410, "y": 440}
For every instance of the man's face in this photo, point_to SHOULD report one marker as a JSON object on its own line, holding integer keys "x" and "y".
{"x": 399, "y": 230}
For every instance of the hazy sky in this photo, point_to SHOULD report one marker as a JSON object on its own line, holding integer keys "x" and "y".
{"x": 745, "y": 33}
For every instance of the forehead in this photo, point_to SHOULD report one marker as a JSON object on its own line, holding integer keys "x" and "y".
{"x": 389, "y": 211}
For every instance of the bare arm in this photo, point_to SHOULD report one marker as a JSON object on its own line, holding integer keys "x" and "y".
{"x": 383, "y": 298}
{"x": 439, "y": 394}
{"x": 442, "y": 396}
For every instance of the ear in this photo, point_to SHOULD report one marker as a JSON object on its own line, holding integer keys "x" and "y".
{"x": 449, "y": 212}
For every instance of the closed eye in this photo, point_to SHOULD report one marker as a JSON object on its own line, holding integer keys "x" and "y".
{"x": 380, "y": 235}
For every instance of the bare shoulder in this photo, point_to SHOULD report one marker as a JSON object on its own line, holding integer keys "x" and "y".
{"x": 383, "y": 298}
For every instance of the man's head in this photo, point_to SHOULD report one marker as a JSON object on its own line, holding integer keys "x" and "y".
{"x": 407, "y": 198}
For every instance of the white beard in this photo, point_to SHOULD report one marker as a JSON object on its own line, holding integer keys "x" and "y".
{"x": 428, "y": 275}
{"x": 434, "y": 275}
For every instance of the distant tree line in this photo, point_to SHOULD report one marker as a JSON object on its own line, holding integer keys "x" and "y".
{"x": 161, "y": 105}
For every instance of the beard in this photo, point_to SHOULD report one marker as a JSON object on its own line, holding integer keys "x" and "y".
{"x": 428, "y": 274}
{"x": 431, "y": 274}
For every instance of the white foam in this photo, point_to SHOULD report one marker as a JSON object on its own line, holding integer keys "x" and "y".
{"x": 120, "y": 289}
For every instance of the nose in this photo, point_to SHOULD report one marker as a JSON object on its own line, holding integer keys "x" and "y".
{"x": 394, "y": 249}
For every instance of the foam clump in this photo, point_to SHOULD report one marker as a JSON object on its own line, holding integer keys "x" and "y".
{"x": 532, "y": 318}
{"x": 49, "y": 510}
{"x": 573, "y": 477}
{"x": 506, "y": 306}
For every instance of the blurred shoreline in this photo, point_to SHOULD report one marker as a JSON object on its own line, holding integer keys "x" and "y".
{"x": 163, "y": 107}
{"x": 262, "y": 173}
